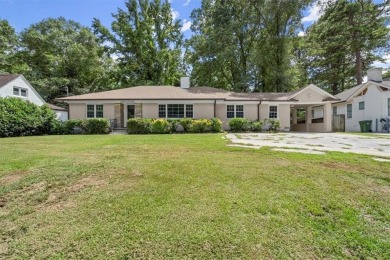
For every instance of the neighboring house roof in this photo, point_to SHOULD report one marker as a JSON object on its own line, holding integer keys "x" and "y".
{"x": 192, "y": 93}
{"x": 349, "y": 93}
{"x": 57, "y": 108}
{"x": 5, "y": 79}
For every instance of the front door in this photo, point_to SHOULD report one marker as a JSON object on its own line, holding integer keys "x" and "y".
{"x": 130, "y": 111}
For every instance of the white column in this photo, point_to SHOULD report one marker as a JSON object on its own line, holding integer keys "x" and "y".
{"x": 308, "y": 119}
{"x": 328, "y": 117}
{"x": 294, "y": 116}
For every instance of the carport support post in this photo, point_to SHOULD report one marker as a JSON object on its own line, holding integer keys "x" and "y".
{"x": 308, "y": 119}
{"x": 328, "y": 117}
{"x": 294, "y": 116}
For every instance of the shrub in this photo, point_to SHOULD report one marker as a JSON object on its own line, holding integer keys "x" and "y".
{"x": 186, "y": 123}
{"x": 139, "y": 126}
{"x": 73, "y": 126}
{"x": 200, "y": 126}
{"x": 96, "y": 126}
{"x": 23, "y": 118}
{"x": 256, "y": 126}
{"x": 160, "y": 126}
{"x": 273, "y": 124}
{"x": 173, "y": 123}
{"x": 239, "y": 124}
{"x": 216, "y": 125}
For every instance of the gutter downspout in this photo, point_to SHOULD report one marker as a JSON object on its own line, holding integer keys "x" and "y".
{"x": 258, "y": 111}
{"x": 215, "y": 105}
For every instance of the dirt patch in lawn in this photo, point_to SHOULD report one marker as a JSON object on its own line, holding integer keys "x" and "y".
{"x": 341, "y": 166}
{"x": 13, "y": 177}
{"x": 62, "y": 198}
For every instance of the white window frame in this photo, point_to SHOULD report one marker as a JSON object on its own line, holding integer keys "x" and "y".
{"x": 235, "y": 111}
{"x": 94, "y": 110}
{"x": 277, "y": 112}
{"x": 166, "y": 110}
{"x": 349, "y": 117}
{"x": 19, "y": 92}
{"x": 364, "y": 105}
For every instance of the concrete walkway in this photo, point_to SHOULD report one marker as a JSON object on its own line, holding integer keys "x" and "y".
{"x": 372, "y": 144}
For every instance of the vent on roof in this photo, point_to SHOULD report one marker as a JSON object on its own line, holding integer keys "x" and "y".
{"x": 374, "y": 74}
{"x": 185, "y": 82}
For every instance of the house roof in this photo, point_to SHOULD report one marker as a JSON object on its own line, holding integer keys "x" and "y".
{"x": 176, "y": 93}
{"x": 5, "y": 79}
{"x": 349, "y": 93}
{"x": 54, "y": 107}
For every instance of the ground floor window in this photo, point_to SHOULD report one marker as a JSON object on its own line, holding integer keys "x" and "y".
{"x": 94, "y": 111}
{"x": 349, "y": 111}
{"x": 130, "y": 111}
{"x": 273, "y": 112}
{"x": 175, "y": 111}
{"x": 233, "y": 111}
{"x": 361, "y": 105}
{"x": 388, "y": 106}
{"x": 334, "y": 110}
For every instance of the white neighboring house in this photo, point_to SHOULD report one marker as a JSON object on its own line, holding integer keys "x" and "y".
{"x": 367, "y": 101}
{"x": 15, "y": 85}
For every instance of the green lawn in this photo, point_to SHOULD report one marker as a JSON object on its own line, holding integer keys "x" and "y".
{"x": 187, "y": 196}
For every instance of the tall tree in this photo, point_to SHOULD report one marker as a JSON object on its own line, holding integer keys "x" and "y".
{"x": 244, "y": 45}
{"x": 146, "y": 43}
{"x": 347, "y": 38}
{"x": 63, "y": 54}
{"x": 9, "y": 45}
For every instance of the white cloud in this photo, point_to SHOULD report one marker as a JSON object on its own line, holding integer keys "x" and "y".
{"x": 186, "y": 25}
{"x": 301, "y": 33}
{"x": 187, "y": 2}
{"x": 315, "y": 11}
{"x": 385, "y": 64}
{"x": 175, "y": 14}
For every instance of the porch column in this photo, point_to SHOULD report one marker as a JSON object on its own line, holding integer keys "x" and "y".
{"x": 294, "y": 116}
{"x": 308, "y": 119}
{"x": 328, "y": 117}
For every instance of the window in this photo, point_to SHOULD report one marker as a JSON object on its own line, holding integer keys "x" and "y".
{"x": 99, "y": 111}
{"x": 349, "y": 111}
{"x": 20, "y": 92}
{"x": 233, "y": 111}
{"x": 312, "y": 113}
{"x": 175, "y": 111}
{"x": 334, "y": 110}
{"x": 130, "y": 111}
{"x": 230, "y": 111}
{"x": 162, "y": 113}
{"x": 273, "y": 112}
{"x": 94, "y": 111}
{"x": 240, "y": 111}
{"x": 388, "y": 106}
{"x": 361, "y": 105}
{"x": 189, "y": 111}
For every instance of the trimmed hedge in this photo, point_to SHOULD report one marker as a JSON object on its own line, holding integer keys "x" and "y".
{"x": 22, "y": 118}
{"x": 167, "y": 126}
{"x": 96, "y": 126}
{"x": 246, "y": 125}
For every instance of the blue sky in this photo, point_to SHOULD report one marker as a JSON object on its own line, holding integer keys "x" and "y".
{"x": 22, "y": 13}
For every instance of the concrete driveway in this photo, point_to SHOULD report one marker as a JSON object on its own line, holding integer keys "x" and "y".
{"x": 316, "y": 143}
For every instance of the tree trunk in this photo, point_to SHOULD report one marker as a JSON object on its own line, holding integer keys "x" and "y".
{"x": 358, "y": 68}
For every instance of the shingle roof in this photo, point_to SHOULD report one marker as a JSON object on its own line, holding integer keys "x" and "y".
{"x": 174, "y": 93}
{"x": 345, "y": 95}
{"x": 54, "y": 107}
{"x": 4, "y": 79}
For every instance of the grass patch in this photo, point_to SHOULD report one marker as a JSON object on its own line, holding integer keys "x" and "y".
{"x": 187, "y": 196}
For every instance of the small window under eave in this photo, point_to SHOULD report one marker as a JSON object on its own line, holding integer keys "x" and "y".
{"x": 382, "y": 88}
{"x": 362, "y": 93}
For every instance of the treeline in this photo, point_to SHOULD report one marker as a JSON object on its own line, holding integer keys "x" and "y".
{"x": 241, "y": 45}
